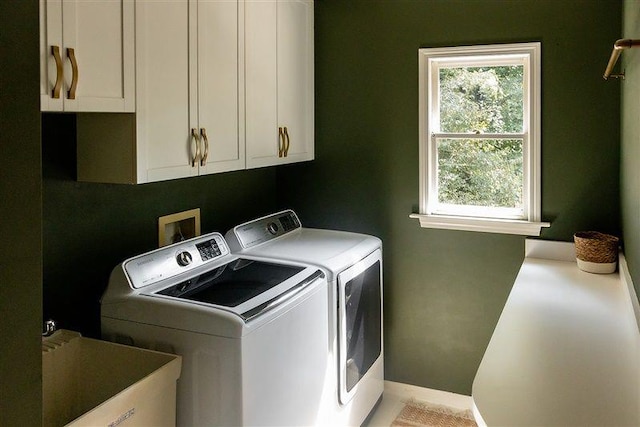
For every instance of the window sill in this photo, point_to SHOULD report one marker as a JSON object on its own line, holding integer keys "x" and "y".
{"x": 485, "y": 225}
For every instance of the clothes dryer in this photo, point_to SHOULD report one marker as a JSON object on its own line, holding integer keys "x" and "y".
{"x": 352, "y": 263}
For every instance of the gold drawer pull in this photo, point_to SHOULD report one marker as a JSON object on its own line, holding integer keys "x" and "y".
{"x": 55, "y": 51}
{"x": 288, "y": 141}
{"x": 203, "y": 160}
{"x": 71, "y": 54}
{"x": 280, "y": 142}
{"x": 195, "y": 147}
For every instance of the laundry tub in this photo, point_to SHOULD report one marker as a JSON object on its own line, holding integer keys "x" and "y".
{"x": 88, "y": 382}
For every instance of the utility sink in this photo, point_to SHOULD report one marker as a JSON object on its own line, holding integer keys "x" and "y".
{"x": 88, "y": 382}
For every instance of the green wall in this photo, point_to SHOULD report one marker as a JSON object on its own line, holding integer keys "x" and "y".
{"x": 89, "y": 228}
{"x": 630, "y": 142}
{"x": 444, "y": 290}
{"x": 21, "y": 214}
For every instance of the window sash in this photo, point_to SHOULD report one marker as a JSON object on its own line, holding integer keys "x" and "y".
{"x": 435, "y": 207}
{"x": 485, "y": 60}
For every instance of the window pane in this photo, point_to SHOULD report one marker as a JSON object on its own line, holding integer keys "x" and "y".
{"x": 480, "y": 172}
{"x": 486, "y": 99}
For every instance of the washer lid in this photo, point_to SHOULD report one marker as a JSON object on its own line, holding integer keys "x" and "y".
{"x": 247, "y": 288}
{"x": 234, "y": 283}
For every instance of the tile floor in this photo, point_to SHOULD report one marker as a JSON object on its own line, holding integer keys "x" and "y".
{"x": 396, "y": 394}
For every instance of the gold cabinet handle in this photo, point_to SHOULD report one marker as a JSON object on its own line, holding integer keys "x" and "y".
{"x": 55, "y": 51}
{"x": 71, "y": 54}
{"x": 203, "y": 160}
{"x": 195, "y": 147}
{"x": 280, "y": 142}
{"x": 288, "y": 141}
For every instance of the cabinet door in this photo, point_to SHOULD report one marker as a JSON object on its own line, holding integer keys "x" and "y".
{"x": 50, "y": 37}
{"x": 218, "y": 85}
{"x": 279, "y": 80}
{"x": 295, "y": 78}
{"x": 100, "y": 35}
{"x": 261, "y": 117}
{"x": 165, "y": 148}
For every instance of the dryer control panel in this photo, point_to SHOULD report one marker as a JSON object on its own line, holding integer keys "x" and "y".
{"x": 169, "y": 261}
{"x": 261, "y": 230}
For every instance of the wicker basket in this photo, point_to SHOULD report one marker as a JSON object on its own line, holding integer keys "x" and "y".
{"x": 596, "y": 252}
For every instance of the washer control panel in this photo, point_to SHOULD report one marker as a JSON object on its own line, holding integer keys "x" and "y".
{"x": 169, "y": 261}
{"x": 209, "y": 249}
{"x": 261, "y": 230}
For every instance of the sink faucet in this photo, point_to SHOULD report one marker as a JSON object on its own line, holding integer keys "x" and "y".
{"x": 49, "y": 328}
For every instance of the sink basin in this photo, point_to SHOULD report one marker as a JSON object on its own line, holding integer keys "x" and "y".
{"x": 88, "y": 382}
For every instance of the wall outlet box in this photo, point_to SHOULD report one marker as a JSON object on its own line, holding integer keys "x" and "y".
{"x": 178, "y": 227}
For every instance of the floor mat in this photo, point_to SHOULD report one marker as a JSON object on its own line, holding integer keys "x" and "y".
{"x": 417, "y": 414}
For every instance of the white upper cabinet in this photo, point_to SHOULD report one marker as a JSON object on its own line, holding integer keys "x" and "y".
{"x": 187, "y": 113}
{"x": 221, "y": 85}
{"x": 87, "y": 55}
{"x": 187, "y": 73}
{"x": 279, "y": 82}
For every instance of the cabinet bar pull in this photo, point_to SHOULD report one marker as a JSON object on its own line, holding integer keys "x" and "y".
{"x": 195, "y": 147}
{"x": 286, "y": 145}
{"x": 280, "y": 142}
{"x": 55, "y": 51}
{"x": 203, "y": 160}
{"x": 71, "y": 53}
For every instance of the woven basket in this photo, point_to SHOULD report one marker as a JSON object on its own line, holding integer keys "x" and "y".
{"x": 593, "y": 248}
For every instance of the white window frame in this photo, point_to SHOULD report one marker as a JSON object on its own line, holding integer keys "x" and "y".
{"x": 495, "y": 220}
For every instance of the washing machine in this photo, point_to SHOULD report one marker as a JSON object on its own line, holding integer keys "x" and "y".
{"x": 252, "y": 333}
{"x": 352, "y": 263}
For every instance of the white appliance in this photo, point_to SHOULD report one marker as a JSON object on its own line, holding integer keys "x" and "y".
{"x": 253, "y": 334}
{"x": 352, "y": 263}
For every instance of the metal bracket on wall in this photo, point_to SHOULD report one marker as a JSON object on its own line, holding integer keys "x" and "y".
{"x": 618, "y": 46}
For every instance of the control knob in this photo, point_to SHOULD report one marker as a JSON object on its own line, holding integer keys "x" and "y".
{"x": 184, "y": 258}
{"x": 272, "y": 228}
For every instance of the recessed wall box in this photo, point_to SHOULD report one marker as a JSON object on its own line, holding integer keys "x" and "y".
{"x": 178, "y": 227}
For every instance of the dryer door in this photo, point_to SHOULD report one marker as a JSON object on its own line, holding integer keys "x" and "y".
{"x": 359, "y": 321}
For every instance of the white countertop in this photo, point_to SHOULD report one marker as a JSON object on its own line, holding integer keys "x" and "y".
{"x": 565, "y": 351}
